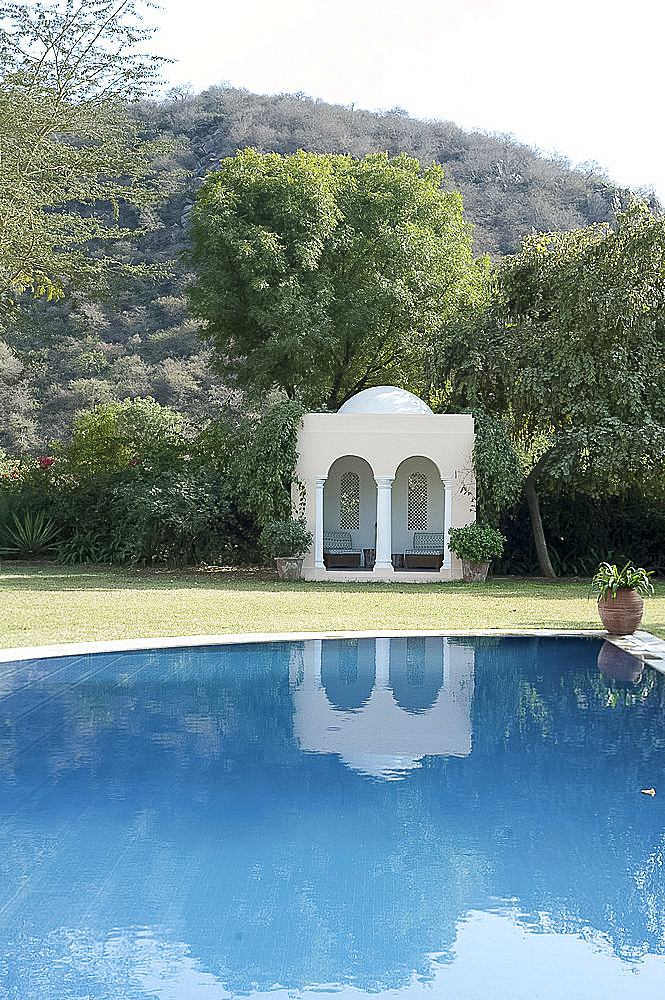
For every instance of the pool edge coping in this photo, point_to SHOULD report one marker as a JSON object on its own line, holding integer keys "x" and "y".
{"x": 642, "y": 644}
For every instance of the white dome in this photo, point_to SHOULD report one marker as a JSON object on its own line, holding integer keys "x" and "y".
{"x": 384, "y": 399}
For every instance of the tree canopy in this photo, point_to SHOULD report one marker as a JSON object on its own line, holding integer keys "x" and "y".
{"x": 142, "y": 340}
{"x": 67, "y": 73}
{"x": 322, "y": 275}
{"x": 573, "y": 349}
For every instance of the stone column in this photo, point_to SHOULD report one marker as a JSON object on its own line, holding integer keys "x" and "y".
{"x": 318, "y": 523}
{"x": 383, "y": 523}
{"x": 447, "y": 514}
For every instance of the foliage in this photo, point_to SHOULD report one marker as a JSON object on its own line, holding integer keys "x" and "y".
{"x": 497, "y": 467}
{"x": 573, "y": 352}
{"x": 171, "y": 518}
{"x": 608, "y": 579}
{"x": 263, "y": 461}
{"x": 476, "y": 542}
{"x": 91, "y": 545}
{"x": 583, "y": 531}
{"x": 138, "y": 341}
{"x": 322, "y": 275}
{"x": 589, "y": 351}
{"x": 115, "y": 436}
{"x": 66, "y": 74}
{"x": 29, "y": 537}
{"x": 134, "y": 488}
{"x": 286, "y": 538}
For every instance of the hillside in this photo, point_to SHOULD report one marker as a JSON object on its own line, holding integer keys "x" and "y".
{"x": 71, "y": 355}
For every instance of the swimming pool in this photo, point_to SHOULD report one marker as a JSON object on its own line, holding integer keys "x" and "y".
{"x": 423, "y": 816}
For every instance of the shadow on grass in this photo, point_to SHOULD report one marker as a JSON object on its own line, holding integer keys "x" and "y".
{"x": 45, "y": 577}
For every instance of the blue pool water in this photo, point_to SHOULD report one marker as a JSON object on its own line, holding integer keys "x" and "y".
{"x": 423, "y": 817}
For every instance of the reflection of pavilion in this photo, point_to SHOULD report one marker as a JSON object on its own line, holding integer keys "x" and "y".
{"x": 383, "y": 704}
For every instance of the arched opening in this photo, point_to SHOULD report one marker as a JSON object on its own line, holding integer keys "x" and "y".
{"x": 349, "y": 514}
{"x": 418, "y": 513}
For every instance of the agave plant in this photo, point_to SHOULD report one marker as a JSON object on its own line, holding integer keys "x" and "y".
{"x": 29, "y": 537}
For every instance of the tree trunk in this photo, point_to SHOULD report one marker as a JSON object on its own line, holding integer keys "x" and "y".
{"x": 546, "y": 567}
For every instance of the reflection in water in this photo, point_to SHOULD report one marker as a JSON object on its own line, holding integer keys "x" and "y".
{"x": 616, "y": 663}
{"x": 385, "y": 734}
{"x": 417, "y": 666}
{"x": 347, "y": 672}
{"x": 206, "y": 823}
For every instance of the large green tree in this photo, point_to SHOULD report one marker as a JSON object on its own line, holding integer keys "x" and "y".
{"x": 323, "y": 275}
{"x": 67, "y": 75}
{"x": 573, "y": 351}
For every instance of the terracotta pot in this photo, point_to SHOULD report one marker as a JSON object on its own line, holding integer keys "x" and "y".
{"x": 289, "y": 567}
{"x": 474, "y": 572}
{"x": 622, "y": 613}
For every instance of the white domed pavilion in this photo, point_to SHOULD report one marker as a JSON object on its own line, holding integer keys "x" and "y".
{"x": 385, "y": 478}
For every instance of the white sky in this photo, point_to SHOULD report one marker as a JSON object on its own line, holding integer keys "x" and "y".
{"x": 583, "y": 78}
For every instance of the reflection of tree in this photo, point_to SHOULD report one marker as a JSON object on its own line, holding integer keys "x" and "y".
{"x": 176, "y": 797}
{"x": 570, "y": 809}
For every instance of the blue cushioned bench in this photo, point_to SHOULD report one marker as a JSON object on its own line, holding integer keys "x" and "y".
{"x": 338, "y": 550}
{"x": 427, "y": 552}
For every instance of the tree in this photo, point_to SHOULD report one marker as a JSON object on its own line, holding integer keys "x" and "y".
{"x": 136, "y": 432}
{"x": 17, "y": 403}
{"x": 573, "y": 350}
{"x": 323, "y": 275}
{"x": 67, "y": 140}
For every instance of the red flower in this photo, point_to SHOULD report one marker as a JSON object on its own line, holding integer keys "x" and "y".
{"x": 44, "y": 462}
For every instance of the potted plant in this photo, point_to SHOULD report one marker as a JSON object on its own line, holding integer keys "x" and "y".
{"x": 621, "y": 594}
{"x": 476, "y": 545}
{"x": 286, "y": 542}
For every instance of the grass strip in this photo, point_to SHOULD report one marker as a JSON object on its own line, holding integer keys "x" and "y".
{"x": 44, "y": 604}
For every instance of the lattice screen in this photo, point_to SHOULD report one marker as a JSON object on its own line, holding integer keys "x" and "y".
{"x": 417, "y": 502}
{"x": 349, "y": 501}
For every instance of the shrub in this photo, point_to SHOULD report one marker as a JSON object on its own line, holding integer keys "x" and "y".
{"x": 476, "y": 542}
{"x": 281, "y": 539}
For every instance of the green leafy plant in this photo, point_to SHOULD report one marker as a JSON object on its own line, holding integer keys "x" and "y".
{"x": 476, "y": 542}
{"x": 497, "y": 466}
{"x": 30, "y": 537}
{"x": 91, "y": 546}
{"x": 263, "y": 459}
{"x": 608, "y": 579}
{"x": 281, "y": 539}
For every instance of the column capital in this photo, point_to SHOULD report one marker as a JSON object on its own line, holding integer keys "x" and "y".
{"x": 321, "y": 480}
{"x": 384, "y": 481}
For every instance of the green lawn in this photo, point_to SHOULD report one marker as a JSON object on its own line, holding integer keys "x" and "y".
{"x": 42, "y": 604}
